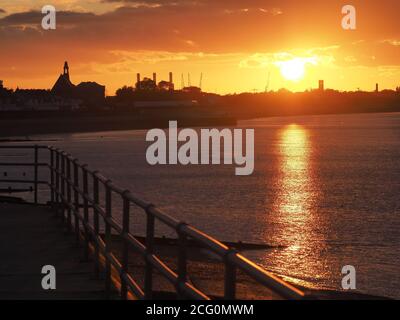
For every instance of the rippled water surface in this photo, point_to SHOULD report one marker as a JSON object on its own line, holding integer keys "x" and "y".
{"x": 324, "y": 193}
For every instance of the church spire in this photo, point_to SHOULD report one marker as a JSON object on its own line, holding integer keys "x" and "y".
{"x": 66, "y": 69}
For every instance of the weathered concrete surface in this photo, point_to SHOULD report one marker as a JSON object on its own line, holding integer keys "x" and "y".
{"x": 31, "y": 237}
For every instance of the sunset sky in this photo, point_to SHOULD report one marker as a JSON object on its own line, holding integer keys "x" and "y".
{"x": 234, "y": 43}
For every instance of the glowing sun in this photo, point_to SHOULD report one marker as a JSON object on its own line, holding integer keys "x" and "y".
{"x": 292, "y": 70}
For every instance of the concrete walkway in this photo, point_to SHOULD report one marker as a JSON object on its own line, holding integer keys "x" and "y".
{"x": 31, "y": 237}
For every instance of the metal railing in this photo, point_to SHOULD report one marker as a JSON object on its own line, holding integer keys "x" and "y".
{"x": 70, "y": 193}
{"x": 35, "y": 164}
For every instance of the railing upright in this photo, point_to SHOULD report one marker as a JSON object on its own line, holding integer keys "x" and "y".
{"x": 125, "y": 245}
{"x": 69, "y": 189}
{"x": 76, "y": 200}
{"x": 108, "y": 239}
{"x": 58, "y": 179}
{"x": 63, "y": 198}
{"x": 96, "y": 225}
{"x": 85, "y": 212}
{"x": 52, "y": 197}
{"x": 229, "y": 277}
{"x": 148, "y": 278}
{"x": 182, "y": 258}
{"x": 36, "y": 174}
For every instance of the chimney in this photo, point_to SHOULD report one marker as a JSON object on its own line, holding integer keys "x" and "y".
{"x": 170, "y": 78}
{"x": 377, "y": 88}
{"x": 321, "y": 85}
{"x": 137, "y": 81}
{"x": 155, "y": 78}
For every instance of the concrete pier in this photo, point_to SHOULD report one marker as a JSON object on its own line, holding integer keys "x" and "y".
{"x": 31, "y": 237}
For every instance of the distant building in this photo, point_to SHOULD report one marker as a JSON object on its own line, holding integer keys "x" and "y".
{"x": 4, "y": 92}
{"x": 63, "y": 86}
{"x": 43, "y": 100}
{"x": 165, "y": 86}
{"x": 91, "y": 94}
{"x": 321, "y": 85}
{"x": 61, "y": 97}
{"x": 7, "y": 100}
{"x": 171, "y": 82}
{"x": 147, "y": 84}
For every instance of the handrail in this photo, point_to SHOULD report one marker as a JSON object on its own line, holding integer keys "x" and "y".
{"x": 74, "y": 203}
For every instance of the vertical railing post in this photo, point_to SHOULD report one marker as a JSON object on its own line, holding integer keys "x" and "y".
{"x": 230, "y": 277}
{"x": 182, "y": 257}
{"x": 108, "y": 239}
{"x": 69, "y": 189}
{"x": 52, "y": 196}
{"x": 85, "y": 212}
{"x": 36, "y": 174}
{"x": 76, "y": 200}
{"x": 96, "y": 225}
{"x": 63, "y": 186}
{"x": 148, "y": 278}
{"x": 125, "y": 246}
{"x": 58, "y": 180}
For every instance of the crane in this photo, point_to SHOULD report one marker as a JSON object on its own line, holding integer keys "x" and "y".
{"x": 182, "y": 81}
{"x": 268, "y": 81}
{"x": 201, "y": 80}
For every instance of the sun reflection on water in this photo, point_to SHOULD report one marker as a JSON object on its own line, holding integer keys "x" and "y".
{"x": 294, "y": 213}
{"x": 294, "y": 188}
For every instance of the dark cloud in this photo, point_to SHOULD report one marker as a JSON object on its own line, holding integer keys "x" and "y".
{"x": 35, "y": 18}
{"x": 143, "y": 27}
{"x": 223, "y": 26}
{"x": 198, "y": 3}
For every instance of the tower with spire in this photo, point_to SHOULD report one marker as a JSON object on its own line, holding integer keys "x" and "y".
{"x": 63, "y": 86}
{"x": 66, "y": 69}
{"x": 90, "y": 93}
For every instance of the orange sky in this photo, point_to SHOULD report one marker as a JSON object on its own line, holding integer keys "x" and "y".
{"x": 235, "y": 43}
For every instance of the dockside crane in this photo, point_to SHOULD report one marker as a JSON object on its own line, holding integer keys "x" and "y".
{"x": 201, "y": 81}
{"x": 182, "y": 81}
{"x": 268, "y": 82}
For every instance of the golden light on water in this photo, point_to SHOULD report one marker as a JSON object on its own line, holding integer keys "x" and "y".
{"x": 295, "y": 200}
{"x": 295, "y": 179}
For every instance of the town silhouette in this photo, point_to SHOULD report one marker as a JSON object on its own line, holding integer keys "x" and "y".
{"x": 149, "y": 103}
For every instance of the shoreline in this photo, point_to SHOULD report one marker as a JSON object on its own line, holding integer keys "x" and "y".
{"x": 107, "y": 121}
{"x": 14, "y": 129}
